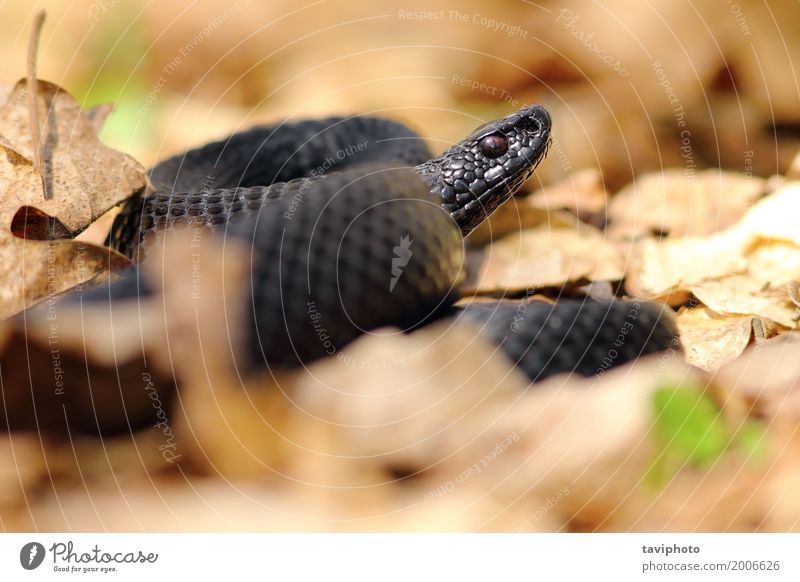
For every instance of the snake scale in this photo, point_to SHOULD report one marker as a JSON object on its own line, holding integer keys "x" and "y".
{"x": 353, "y": 224}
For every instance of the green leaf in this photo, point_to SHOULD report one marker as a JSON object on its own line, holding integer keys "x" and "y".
{"x": 750, "y": 440}
{"x": 689, "y": 430}
{"x": 688, "y": 425}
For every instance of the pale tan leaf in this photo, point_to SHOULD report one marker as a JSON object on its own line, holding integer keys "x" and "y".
{"x": 23, "y": 469}
{"x": 545, "y": 257}
{"x": 774, "y": 216}
{"x": 764, "y": 245}
{"x": 711, "y": 340}
{"x": 34, "y": 270}
{"x": 774, "y": 263}
{"x": 223, "y": 426}
{"x": 660, "y": 267}
{"x": 680, "y": 205}
{"x": 741, "y": 294}
{"x": 85, "y": 179}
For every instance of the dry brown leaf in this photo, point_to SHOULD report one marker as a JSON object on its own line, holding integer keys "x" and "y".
{"x": 744, "y": 295}
{"x": 765, "y": 383}
{"x": 764, "y": 247}
{"x": 660, "y": 267}
{"x": 544, "y": 257}
{"x": 85, "y": 179}
{"x": 764, "y": 329}
{"x": 680, "y": 205}
{"x": 711, "y": 340}
{"x": 762, "y": 290}
{"x": 98, "y": 115}
{"x": 34, "y": 270}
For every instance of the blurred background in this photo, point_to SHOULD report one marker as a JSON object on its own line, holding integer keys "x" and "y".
{"x": 633, "y": 87}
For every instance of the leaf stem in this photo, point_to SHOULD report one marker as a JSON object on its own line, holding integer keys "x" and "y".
{"x": 33, "y": 102}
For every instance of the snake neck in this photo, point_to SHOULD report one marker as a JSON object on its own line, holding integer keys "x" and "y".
{"x": 477, "y": 175}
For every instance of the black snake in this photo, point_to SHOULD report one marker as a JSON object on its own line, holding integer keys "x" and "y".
{"x": 353, "y": 224}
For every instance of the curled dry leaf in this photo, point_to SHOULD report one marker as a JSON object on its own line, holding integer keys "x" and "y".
{"x": 711, "y": 340}
{"x": 680, "y": 205}
{"x": 744, "y": 295}
{"x": 544, "y": 257}
{"x": 85, "y": 179}
{"x": 764, "y": 329}
{"x": 744, "y": 270}
{"x": 34, "y": 270}
{"x": 659, "y": 268}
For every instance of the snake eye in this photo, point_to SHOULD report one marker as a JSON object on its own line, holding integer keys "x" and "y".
{"x": 493, "y": 146}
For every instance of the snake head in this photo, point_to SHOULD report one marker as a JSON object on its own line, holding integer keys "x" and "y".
{"x": 478, "y": 174}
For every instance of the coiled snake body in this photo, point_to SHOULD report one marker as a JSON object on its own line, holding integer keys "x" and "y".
{"x": 352, "y": 224}
{"x": 344, "y": 216}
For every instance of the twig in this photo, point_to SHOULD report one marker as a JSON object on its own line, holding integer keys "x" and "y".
{"x": 33, "y": 102}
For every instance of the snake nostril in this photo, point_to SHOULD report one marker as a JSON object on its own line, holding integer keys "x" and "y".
{"x": 531, "y": 124}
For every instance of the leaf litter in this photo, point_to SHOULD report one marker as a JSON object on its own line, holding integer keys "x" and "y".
{"x": 429, "y": 430}
{"x": 56, "y": 178}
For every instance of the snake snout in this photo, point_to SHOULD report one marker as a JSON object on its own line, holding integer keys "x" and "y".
{"x": 535, "y": 120}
